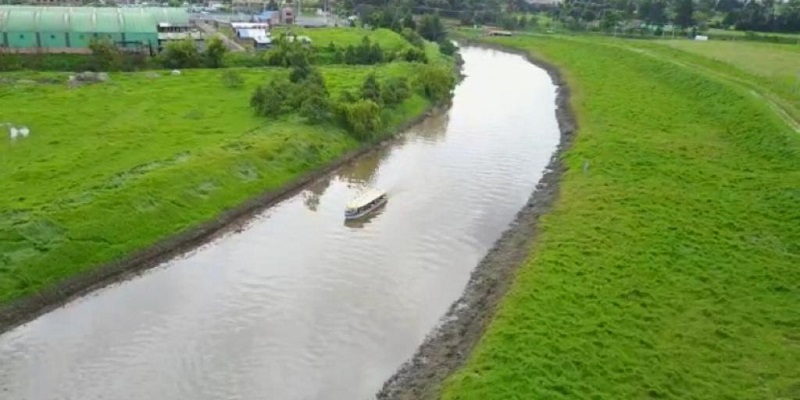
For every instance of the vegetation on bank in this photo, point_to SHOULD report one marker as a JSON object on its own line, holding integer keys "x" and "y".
{"x": 668, "y": 266}
{"x": 176, "y": 150}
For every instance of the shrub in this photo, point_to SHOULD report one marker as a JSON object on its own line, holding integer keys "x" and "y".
{"x": 436, "y": 82}
{"x": 273, "y": 99}
{"x": 413, "y": 54}
{"x": 447, "y": 47}
{"x": 105, "y": 55}
{"x": 361, "y": 118}
{"x": 366, "y": 53}
{"x": 215, "y": 53}
{"x": 371, "y": 90}
{"x": 413, "y": 37}
{"x": 394, "y": 91}
{"x": 180, "y": 54}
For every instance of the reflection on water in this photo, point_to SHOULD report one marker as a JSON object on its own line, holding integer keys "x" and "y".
{"x": 314, "y": 192}
{"x": 362, "y": 173}
{"x": 433, "y": 128}
{"x": 299, "y": 305}
{"x": 360, "y": 223}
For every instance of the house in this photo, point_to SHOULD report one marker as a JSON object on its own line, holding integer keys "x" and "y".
{"x": 270, "y": 17}
{"x": 262, "y": 42}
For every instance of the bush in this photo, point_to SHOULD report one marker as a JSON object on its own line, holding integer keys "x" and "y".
{"x": 361, "y": 118}
{"x": 371, "y": 90}
{"x": 285, "y": 53}
{"x": 232, "y": 79}
{"x": 309, "y": 96}
{"x": 436, "y": 82}
{"x": 215, "y": 53}
{"x": 413, "y": 54}
{"x": 180, "y": 54}
{"x": 394, "y": 91}
{"x": 447, "y": 47}
{"x": 366, "y": 53}
{"x": 413, "y": 37}
{"x": 315, "y": 108}
{"x": 105, "y": 55}
{"x": 273, "y": 98}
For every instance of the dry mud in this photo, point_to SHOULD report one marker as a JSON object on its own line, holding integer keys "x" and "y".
{"x": 448, "y": 346}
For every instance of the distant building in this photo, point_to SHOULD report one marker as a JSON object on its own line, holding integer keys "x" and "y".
{"x": 271, "y": 17}
{"x": 287, "y": 16}
{"x": 71, "y": 29}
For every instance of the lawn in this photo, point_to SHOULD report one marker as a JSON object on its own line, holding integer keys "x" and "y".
{"x": 669, "y": 268}
{"x": 111, "y": 168}
{"x": 343, "y": 37}
{"x": 772, "y": 61}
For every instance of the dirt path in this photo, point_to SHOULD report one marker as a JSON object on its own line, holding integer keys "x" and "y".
{"x": 209, "y": 30}
{"x": 449, "y": 345}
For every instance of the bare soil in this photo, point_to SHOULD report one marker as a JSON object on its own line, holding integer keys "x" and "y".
{"x": 449, "y": 345}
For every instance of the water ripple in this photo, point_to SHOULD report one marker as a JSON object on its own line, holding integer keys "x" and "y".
{"x": 300, "y": 305}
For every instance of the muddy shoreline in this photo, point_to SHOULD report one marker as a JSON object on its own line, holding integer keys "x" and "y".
{"x": 29, "y": 308}
{"x": 448, "y": 346}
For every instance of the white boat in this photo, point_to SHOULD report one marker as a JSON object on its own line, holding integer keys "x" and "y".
{"x": 365, "y": 203}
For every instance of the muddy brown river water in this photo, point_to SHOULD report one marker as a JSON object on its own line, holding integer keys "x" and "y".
{"x": 298, "y": 304}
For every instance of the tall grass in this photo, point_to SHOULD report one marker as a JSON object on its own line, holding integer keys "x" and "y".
{"x": 669, "y": 268}
{"x": 111, "y": 168}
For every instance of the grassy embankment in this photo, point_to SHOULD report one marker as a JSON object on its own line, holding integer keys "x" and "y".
{"x": 110, "y": 168}
{"x": 669, "y": 269}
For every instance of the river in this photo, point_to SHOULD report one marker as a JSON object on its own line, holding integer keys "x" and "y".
{"x": 298, "y": 304}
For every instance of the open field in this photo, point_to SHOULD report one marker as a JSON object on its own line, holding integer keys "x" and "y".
{"x": 344, "y": 37}
{"x": 770, "y": 71}
{"x": 668, "y": 266}
{"x": 110, "y": 168}
{"x": 772, "y": 61}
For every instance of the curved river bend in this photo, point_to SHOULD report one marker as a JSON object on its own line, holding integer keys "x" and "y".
{"x": 299, "y": 305}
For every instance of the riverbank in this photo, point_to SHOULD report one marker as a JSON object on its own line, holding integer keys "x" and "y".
{"x": 663, "y": 266}
{"x": 448, "y": 346}
{"x": 199, "y": 154}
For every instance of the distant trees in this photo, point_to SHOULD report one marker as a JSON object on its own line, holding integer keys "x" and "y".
{"x": 359, "y": 112}
{"x": 180, "y": 54}
{"x": 215, "y": 53}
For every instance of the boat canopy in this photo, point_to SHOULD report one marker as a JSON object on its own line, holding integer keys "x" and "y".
{"x": 365, "y": 198}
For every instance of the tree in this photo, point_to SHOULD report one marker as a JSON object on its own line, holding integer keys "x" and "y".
{"x": 181, "y": 54}
{"x": 272, "y": 5}
{"x": 430, "y": 28}
{"x": 684, "y": 13}
{"x": 105, "y": 56}
{"x": 215, "y": 53}
{"x": 371, "y": 90}
{"x": 447, "y": 47}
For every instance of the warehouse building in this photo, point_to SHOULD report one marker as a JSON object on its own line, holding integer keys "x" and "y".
{"x": 71, "y": 29}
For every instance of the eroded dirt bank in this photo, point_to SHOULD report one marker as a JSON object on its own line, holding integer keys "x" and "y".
{"x": 448, "y": 346}
{"x": 28, "y": 308}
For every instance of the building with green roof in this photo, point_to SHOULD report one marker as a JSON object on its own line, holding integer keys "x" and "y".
{"x": 71, "y": 29}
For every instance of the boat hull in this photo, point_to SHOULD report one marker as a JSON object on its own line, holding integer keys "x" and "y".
{"x": 366, "y": 211}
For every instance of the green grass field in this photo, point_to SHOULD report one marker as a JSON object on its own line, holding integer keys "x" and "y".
{"x": 714, "y": 31}
{"x": 772, "y": 61}
{"x": 343, "y": 37}
{"x": 667, "y": 270}
{"x": 112, "y": 167}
